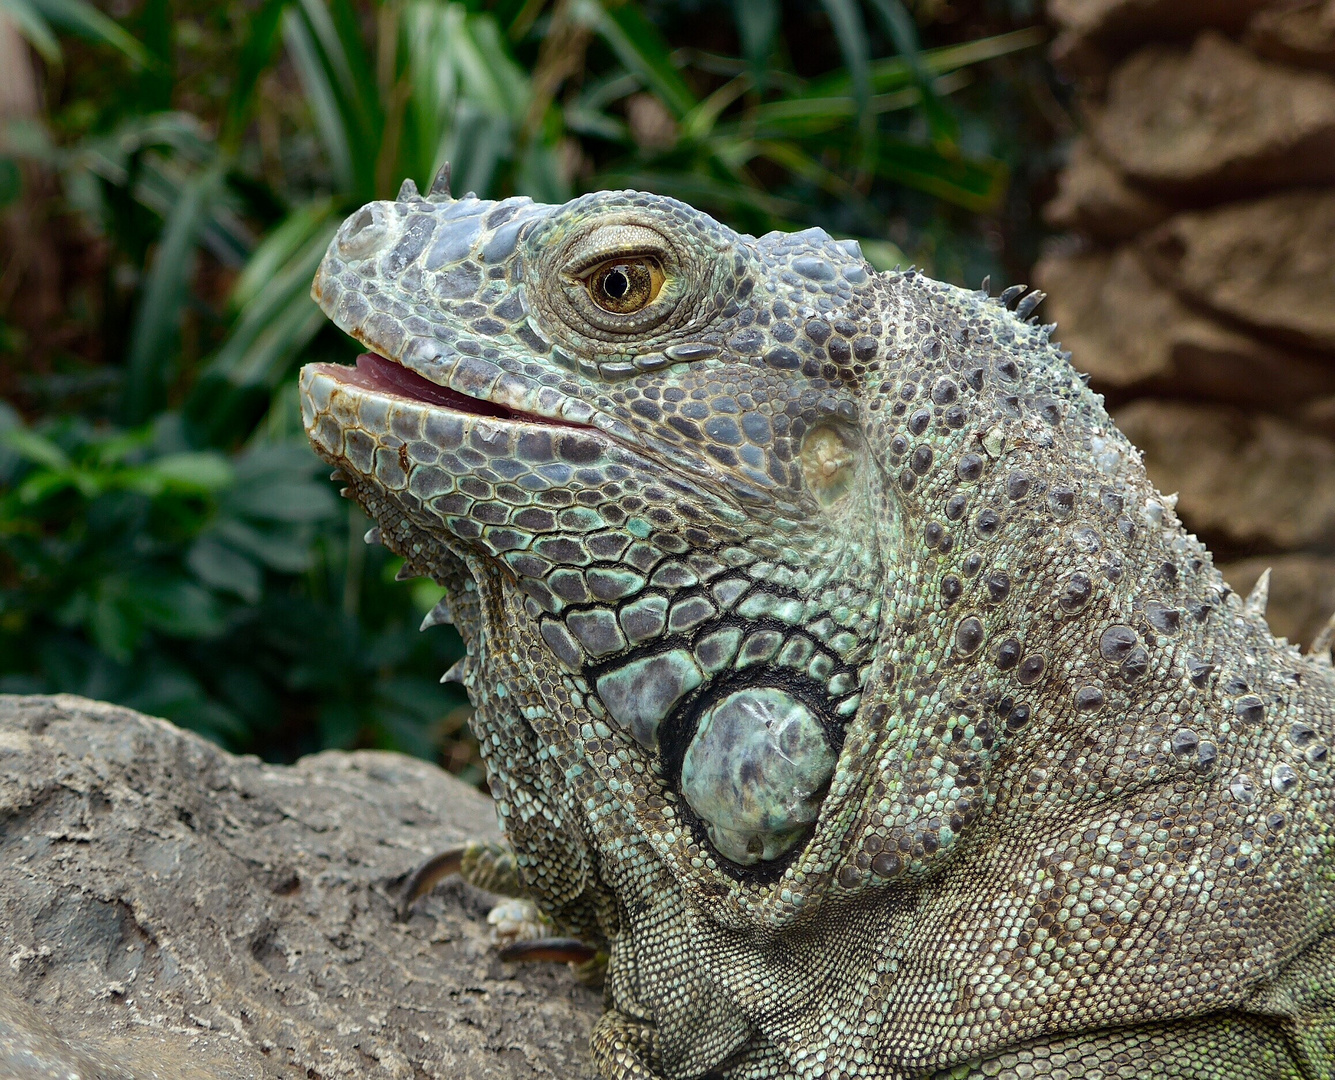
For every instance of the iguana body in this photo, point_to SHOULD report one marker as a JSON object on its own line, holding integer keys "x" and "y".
{"x": 837, "y": 669}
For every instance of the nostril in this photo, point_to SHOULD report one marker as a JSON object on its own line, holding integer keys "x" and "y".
{"x": 363, "y": 233}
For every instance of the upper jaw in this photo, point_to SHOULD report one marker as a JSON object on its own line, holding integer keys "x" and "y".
{"x": 417, "y": 283}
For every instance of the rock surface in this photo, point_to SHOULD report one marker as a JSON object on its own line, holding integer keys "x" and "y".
{"x": 1298, "y": 32}
{"x": 1268, "y": 264}
{"x": 169, "y": 910}
{"x": 1094, "y": 198}
{"x": 1243, "y": 481}
{"x": 1091, "y": 29}
{"x": 1302, "y": 591}
{"x": 1216, "y": 121}
{"x": 1133, "y": 336}
{"x": 1196, "y": 284}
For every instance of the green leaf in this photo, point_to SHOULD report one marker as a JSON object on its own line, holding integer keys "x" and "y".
{"x": 289, "y": 501}
{"x": 277, "y": 319}
{"x": 280, "y": 550}
{"x": 157, "y": 318}
{"x": 35, "y": 448}
{"x": 466, "y": 95}
{"x": 896, "y": 73}
{"x": 202, "y": 472}
{"x": 317, "y": 84}
{"x": 326, "y": 47}
{"x": 11, "y": 187}
{"x": 111, "y": 619}
{"x": 851, "y": 33}
{"x": 35, "y": 30}
{"x": 757, "y": 26}
{"x": 81, "y": 19}
{"x": 638, "y": 44}
{"x": 882, "y": 254}
{"x": 10, "y": 421}
{"x": 222, "y": 567}
{"x": 293, "y": 239}
{"x": 257, "y": 52}
{"x": 974, "y": 183}
{"x": 175, "y": 606}
{"x": 802, "y": 117}
{"x": 899, "y": 24}
{"x": 724, "y": 197}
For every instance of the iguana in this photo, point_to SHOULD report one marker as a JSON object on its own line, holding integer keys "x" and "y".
{"x": 837, "y": 669}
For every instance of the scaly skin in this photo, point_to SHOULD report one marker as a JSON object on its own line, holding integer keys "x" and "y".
{"x": 1049, "y": 801}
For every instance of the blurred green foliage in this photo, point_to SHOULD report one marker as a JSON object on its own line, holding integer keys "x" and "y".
{"x": 166, "y": 538}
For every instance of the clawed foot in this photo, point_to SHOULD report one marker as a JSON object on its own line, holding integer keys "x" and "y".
{"x": 521, "y": 933}
{"x": 488, "y": 865}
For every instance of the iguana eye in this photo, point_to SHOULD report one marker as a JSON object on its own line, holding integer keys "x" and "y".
{"x": 624, "y": 286}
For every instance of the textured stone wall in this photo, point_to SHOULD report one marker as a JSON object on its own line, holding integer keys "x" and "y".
{"x": 1197, "y": 281}
{"x": 169, "y": 911}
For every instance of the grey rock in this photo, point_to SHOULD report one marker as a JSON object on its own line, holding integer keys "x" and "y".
{"x": 170, "y": 910}
{"x": 1216, "y": 121}
{"x": 1093, "y": 197}
{"x": 1302, "y": 591}
{"x": 1267, "y": 264}
{"x": 1298, "y": 32}
{"x": 1244, "y": 481}
{"x": 1133, "y": 336}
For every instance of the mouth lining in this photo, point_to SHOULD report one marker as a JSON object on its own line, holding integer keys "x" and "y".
{"x": 376, "y": 373}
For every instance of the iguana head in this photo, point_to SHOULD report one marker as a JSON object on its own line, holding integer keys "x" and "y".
{"x": 654, "y": 431}
{"x": 784, "y": 555}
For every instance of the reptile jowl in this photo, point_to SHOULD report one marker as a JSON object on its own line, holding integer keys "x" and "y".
{"x": 837, "y": 670}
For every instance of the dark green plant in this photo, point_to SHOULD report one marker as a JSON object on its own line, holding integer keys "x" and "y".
{"x": 166, "y": 539}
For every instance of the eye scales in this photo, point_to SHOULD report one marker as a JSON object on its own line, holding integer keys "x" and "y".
{"x": 826, "y": 671}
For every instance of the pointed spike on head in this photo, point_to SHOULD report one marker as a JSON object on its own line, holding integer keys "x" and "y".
{"x": 373, "y": 536}
{"x": 338, "y": 475}
{"x": 455, "y": 673}
{"x": 1025, "y": 307}
{"x": 408, "y": 191}
{"x": 1259, "y": 597}
{"x": 1012, "y": 294}
{"x": 985, "y": 287}
{"x": 440, "y": 186}
{"x": 406, "y": 573}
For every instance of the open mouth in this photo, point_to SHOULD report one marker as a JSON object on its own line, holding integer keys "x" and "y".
{"x": 374, "y": 372}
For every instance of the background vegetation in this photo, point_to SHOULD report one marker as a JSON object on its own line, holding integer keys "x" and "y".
{"x": 166, "y": 538}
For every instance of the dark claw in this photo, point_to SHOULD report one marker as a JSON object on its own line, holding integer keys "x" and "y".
{"x": 557, "y": 950}
{"x": 424, "y": 877}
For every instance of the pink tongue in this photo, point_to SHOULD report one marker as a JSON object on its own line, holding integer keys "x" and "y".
{"x": 376, "y": 373}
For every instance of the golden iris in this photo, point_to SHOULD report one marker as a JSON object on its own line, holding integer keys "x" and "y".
{"x": 624, "y": 286}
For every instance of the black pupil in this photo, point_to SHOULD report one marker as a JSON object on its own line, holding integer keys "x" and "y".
{"x": 616, "y": 284}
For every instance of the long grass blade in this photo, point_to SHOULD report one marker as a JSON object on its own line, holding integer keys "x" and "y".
{"x": 257, "y": 53}
{"x": 81, "y": 19}
{"x": 900, "y": 26}
{"x": 639, "y": 45}
{"x": 757, "y": 27}
{"x": 851, "y": 33}
{"x": 973, "y": 183}
{"x": 33, "y": 28}
{"x": 895, "y": 73}
{"x": 158, "y": 315}
{"x": 321, "y": 95}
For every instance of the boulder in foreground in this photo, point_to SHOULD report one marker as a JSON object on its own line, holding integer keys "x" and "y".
{"x": 171, "y": 911}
